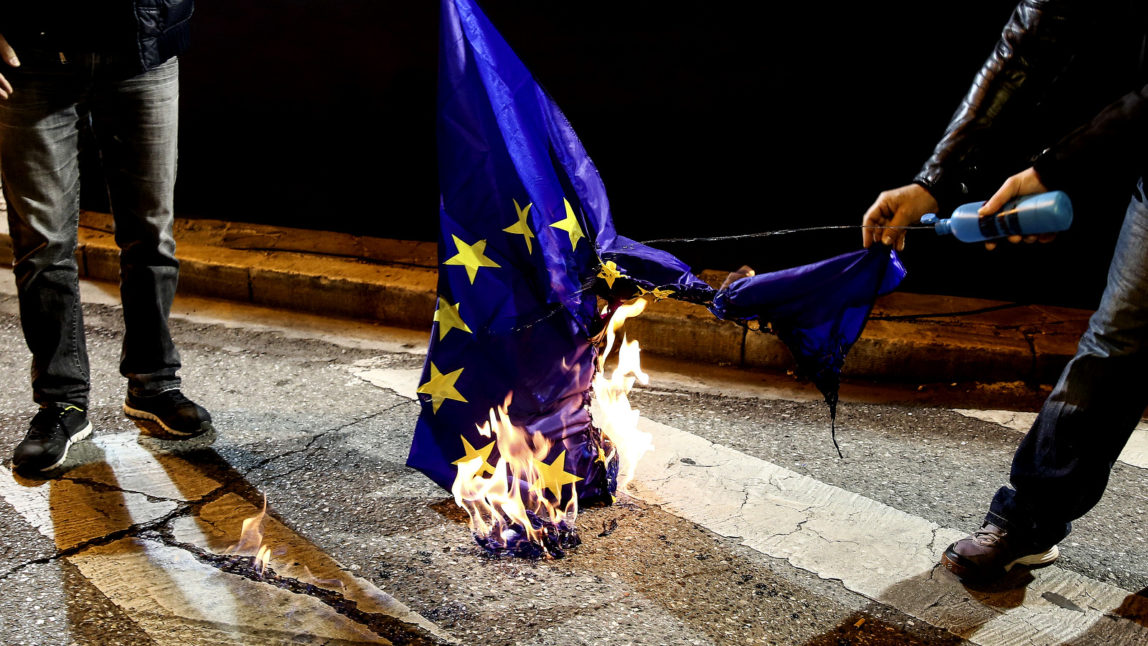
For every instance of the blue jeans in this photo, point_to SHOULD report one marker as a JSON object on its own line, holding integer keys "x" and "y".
{"x": 1061, "y": 468}
{"x": 134, "y": 122}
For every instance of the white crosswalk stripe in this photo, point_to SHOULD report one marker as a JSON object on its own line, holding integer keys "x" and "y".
{"x": 875, "y": 550}
{"x": 200, "y": 603}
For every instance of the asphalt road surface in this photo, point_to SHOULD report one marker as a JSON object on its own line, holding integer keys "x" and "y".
{"x": 742, "y": 526}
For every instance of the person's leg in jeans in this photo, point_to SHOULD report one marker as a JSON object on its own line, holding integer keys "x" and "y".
{"x": 1061, "y": 468}
{"x": 39, "y": 139}
{"x": 136, "y": 125}
{"x": 39, "y": 147}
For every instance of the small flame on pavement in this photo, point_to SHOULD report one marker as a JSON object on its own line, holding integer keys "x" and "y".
{"x": 251, "y": 541}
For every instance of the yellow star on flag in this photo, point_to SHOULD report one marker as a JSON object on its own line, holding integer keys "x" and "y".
{"x": 472, "y": 453}
{"x": 610, "y": 273}
{"x": 522, "y": 227}
{"x": 449, "y": 319}
{"x": 660, "y": 293}
{"x": 570, "y": 225}
{"x": 471, "y": 257}
{"x": 441, "y": 387}
{"x": 553, "y": 476}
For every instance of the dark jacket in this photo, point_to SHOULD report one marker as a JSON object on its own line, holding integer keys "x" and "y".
{"x": 1016, "y": 106}
{"x": 141, "y": 33}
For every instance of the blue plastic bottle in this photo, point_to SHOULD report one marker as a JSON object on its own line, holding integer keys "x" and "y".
{"x": 1028, "y": 215}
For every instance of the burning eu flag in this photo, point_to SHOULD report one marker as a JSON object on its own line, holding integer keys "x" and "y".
{"x": 528, "y": 250}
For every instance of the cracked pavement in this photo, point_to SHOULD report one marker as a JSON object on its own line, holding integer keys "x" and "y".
{"x": 746, "y": 528}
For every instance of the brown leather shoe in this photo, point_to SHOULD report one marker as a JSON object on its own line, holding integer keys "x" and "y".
{"x": 990, "y": 553}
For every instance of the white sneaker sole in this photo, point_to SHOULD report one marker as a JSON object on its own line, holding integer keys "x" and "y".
{"x": 76, "y": 437}
{"x": 1037, "y": 560}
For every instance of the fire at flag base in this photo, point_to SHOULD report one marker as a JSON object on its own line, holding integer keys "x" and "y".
{"x": 522, "y": 506}
{"x": 546, "y": 540}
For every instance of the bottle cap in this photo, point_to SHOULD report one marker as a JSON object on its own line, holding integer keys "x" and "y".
{"x": 942, "y": 227}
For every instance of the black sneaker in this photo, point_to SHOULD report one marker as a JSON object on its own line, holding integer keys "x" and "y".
{"x": 177, "y": 414}
{"x": 991, "y": 552}
{"x": 53, "y": 430}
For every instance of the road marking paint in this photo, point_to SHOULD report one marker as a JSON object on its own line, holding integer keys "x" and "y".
{"x": 62, "y": 510}
{"x": 175, "y": 598}
{"x": 403, "y": 381}
{"x": 176, "y": 591}
{"x": 873, "y": 549}
{"x": 215, "y": 528}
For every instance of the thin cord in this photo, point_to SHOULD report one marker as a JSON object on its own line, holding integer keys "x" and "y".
{"x": 777, "y": 232}
{"x": 914, "y": 317}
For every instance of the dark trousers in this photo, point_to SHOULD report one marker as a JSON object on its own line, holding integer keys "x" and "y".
{"x": 1061, "y": 468}
{"x": 134, "y": 121}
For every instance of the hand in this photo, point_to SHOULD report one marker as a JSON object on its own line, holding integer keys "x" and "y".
{"x": 745, "y": 272}
{"x": 9, "y": 56}
{"x": 1026, "y": 182}
{"x": 899, "y": 207}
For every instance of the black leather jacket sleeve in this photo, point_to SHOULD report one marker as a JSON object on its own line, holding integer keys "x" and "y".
{"x": 1037, "y": 43}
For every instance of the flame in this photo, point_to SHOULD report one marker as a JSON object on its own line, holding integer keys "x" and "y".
{"x": 617, "y": 420}
{"x": 251, "y": 541}
{"x": 262, "y": 559}
{"x": 515, "y": 505}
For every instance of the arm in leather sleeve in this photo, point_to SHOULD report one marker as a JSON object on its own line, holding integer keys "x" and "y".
{"x": 1107, "y": 150}
{"x": 1035, "y": 46}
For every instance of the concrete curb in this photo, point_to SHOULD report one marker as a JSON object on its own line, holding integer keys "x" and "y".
{"x": 910, "y": 338}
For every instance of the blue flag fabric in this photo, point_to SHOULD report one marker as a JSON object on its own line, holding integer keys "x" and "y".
{"x": 818, "y": 310}
{"x": 528, "y": 247}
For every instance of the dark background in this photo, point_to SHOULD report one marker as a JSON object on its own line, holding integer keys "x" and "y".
{"x": 703, "y": 119}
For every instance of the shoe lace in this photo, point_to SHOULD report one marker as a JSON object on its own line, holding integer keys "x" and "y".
{"x": 985, "y": 536}
{"x": 175, "y": 398}
{"x": 47, "y": 422}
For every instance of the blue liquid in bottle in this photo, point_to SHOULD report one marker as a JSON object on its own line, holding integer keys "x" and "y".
{"x": 1028, "y": 215}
